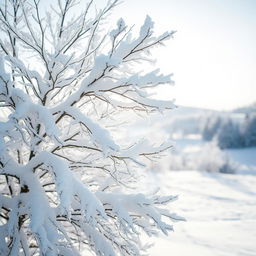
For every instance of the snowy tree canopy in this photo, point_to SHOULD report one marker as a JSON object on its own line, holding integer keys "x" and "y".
{"x": 67, "y": 183}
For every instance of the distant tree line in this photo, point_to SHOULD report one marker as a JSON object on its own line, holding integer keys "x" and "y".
{"x": 229, "y": 133}
{"x": 246, "y": 109}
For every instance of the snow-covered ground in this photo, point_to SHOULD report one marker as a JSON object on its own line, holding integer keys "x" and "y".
{"x": 246, "y": 158}
{"x": 220, "y": 210}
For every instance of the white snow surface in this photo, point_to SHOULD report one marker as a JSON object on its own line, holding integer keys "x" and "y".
{"x": 220, "y": 213}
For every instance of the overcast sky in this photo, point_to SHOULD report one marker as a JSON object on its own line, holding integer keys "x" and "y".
{"x": 213, "y": 53}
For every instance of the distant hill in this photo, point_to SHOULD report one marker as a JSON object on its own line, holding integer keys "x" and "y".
{"x": 191, "y": 120}
{"x": 246, "y": 109}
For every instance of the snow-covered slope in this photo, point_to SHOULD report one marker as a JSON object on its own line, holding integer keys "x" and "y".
{"x": 220, "y": 213}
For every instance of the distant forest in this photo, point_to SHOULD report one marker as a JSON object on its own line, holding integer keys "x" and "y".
{"x": 231, "y": 134}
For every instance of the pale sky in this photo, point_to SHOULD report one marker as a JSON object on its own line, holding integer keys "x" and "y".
{"x": 213, "y": 53}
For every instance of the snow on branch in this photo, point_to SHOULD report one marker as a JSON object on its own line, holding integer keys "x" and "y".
{"x": 68, "y": 164}
{"x": 37, "y": 114}
{"x": 68, "y": 186}
{"x": 99, "y": 135}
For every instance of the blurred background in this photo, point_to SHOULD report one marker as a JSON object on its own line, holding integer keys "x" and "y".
{"x": 212, "y": 166}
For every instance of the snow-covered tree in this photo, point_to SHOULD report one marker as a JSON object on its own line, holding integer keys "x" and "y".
{"x": 229, "y": 135}
{"x": 68, "y": 183}
{"x": 210, "y": 127}
{"x": 248, "y": 131}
